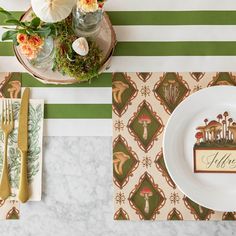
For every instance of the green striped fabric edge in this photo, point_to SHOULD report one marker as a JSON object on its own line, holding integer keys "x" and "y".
{"x": 165, "y": 17}
{"x": 193, "y": 48}
{"x": 103, "y": 80}
{"x": 77, "y": 111}
{"x": 173, "y": 17}
{"x": 199, "y": 48}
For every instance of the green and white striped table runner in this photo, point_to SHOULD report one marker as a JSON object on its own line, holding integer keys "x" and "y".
{"x": 153, "y": 35}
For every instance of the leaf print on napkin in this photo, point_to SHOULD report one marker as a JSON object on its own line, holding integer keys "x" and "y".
{"x": 34, "y": 148}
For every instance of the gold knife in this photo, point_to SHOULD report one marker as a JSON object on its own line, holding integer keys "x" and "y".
{"x": 23, "y": 194}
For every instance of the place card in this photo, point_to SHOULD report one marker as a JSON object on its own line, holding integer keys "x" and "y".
{"x": 215, "y": 147}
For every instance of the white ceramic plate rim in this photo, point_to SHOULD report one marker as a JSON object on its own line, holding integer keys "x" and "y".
{"x": 223, "y": 205}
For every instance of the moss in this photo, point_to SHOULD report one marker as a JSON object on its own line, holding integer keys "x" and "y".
{"x": 67, "y": 62}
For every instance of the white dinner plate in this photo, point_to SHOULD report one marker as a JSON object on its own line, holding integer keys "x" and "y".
{"x": 216, "y": 191}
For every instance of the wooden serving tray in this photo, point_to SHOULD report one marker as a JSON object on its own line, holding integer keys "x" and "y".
{"x": 106, "y": 40}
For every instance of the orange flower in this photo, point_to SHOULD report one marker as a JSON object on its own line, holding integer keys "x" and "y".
{"x": 88, "y": 5}
{"x": 22, "y": 38}
{"x": 36, "y": 41}
{"x": 28, "y": 51}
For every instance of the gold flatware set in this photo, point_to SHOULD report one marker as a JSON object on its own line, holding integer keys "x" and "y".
{"x": 7, "y": 126}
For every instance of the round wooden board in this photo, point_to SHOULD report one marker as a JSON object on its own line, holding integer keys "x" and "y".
{"x": 106, "y": 40}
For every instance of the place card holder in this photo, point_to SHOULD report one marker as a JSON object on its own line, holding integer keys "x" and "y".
{"x": 215, "y": 147}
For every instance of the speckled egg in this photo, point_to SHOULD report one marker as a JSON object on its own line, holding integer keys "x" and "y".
{"x": 80, "y": 46}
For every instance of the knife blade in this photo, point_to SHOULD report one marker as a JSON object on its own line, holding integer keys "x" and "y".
{"x": 23, "y": 193}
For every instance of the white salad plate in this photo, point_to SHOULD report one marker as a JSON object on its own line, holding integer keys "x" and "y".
{"x": 216, "y": 191}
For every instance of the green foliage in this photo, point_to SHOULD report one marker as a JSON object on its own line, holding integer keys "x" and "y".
{"x": 35, "y": 26}
{"x": 14, "y": 163}
{"x": 66, "y": 61}
{"x": 9, "y": 35}
{"x": 4, "y": 12}
{"x": 35, "y": 23}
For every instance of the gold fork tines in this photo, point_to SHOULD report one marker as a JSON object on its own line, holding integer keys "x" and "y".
{"x": 7, "y": 125}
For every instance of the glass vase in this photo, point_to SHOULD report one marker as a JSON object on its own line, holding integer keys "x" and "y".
{"x": 86, "y": 24}
{"x": 44, "y": 59}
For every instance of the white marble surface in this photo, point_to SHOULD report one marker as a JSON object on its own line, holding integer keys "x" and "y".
{"x": 77, "y": 198}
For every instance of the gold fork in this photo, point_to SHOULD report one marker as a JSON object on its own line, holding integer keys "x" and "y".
{"x": 7, "y": 125}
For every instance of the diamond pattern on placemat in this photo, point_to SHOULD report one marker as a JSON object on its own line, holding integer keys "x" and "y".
{"x": 147, "y": 198}
{"x": 121, "y": 215}
{"x": 171, "y": 90}
{"x": 223, "y": 78}
{"x": 144, "y": 189}
{"x": 145, "y": 126}
{"x": 174, "y": 214}
{"x": 123, "y": 91}
{"x": 199, "y": 212}
{"x": 125, "y": 161}
{"x": 13, "y": 214}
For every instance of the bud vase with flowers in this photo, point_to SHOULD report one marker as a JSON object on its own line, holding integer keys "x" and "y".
{"x": 34, "y": 39}
{"x": 44, "y": 37}
{"x": 87, "y": 17}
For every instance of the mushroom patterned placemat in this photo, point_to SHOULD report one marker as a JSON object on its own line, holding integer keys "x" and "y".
{"x": 10, "y": 85}
{"x": 142, "y": 104}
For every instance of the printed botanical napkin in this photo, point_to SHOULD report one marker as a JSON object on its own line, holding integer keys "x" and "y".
{"x": 35, "y": 134}
{"x": 142, "y": 104}
{"x": 10, "y": 87}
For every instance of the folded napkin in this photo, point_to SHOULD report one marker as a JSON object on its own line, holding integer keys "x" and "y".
{"x": 35, "y": 128}
{"x": 10, "y": 87}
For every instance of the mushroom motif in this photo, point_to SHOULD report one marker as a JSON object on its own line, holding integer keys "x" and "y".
{"x": 165, "y": 90}
{"x": 174, "y": 91}
{"x": 224, "y": 128}
{"x": 214, "y": 128}
{"x": 146, "y": 193}
{"x": 199, "y": 136}
{"x": 223, "y": 83}
{"x": 219, "y": 117}
{"x": 200, "y": 209}
{"x": 14, "y": 90}
{"x": 230, "y": 120}
{"x": 118, "y": 88}
{"x": 171, "y": 91}
{"x": 202, "y": 129}
{"x": 119, "y": 159}
{"x": 232, "y": 129}
{"x": 225, "y": 115}
{"x": 145, "y": 120}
